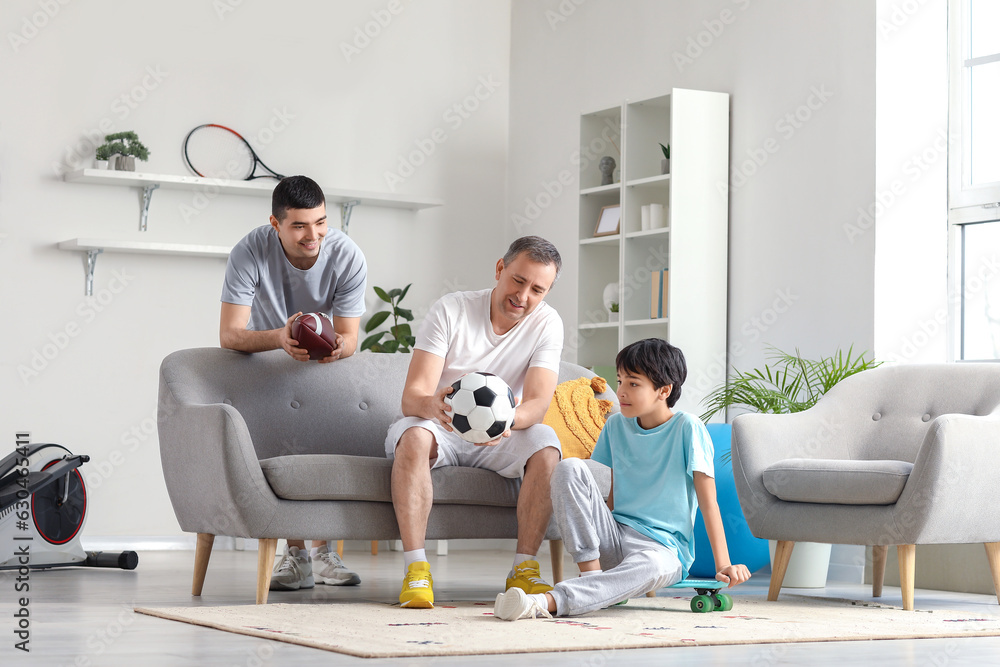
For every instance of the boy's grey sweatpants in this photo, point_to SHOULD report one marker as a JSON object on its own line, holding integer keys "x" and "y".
{"x": 632, "y": 563}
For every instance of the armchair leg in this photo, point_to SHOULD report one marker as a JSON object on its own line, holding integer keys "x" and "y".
{"x": 266, "y": 548}
{"x": 993, "y": 554}
{"x": 782, "y": 554}
{"x": 556, "y": 550}
{"x": 880, "y": 553}
{"x": 202, "y": 552}
{"x": 907, "y": 556}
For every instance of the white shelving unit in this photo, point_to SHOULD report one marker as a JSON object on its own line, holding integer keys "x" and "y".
{"x": 693, "y": 245}
{"x": 347, "y": 199}
{"x": 94, "y": 247}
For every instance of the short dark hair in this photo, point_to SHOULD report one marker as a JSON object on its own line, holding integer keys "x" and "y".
{"x": 538, "y": 249}
{"x": 658, "y": 360}
{"x": 295, "y": 192}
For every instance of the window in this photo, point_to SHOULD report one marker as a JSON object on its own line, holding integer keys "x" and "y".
{"x": 974, "y": 177}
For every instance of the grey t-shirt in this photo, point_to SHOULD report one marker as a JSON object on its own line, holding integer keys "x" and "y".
{"x": 260, "y": 276}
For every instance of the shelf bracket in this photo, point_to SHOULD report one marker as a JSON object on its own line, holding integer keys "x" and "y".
{"x": 91, "y": 263}
{"x": 147, "y": 196}
{"x": 345, "y": 214}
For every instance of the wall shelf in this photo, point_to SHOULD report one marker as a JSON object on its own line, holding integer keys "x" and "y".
{"x": 347, "y": 199}
{"x": 94, "y": 247}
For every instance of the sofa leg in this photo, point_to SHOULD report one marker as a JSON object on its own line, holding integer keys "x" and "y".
{"x": 907, "y": 556}
{"x": 374, "y": 547}
{"x": 340, "y": 548}
{"x": 266, "y": 548}
{"x": 782, "y": 554}
{"x": 556, "y": 550}
{"x": 879, "y": 554}
{"x": 993, "y": 554}
{"x": 202, "y": 552}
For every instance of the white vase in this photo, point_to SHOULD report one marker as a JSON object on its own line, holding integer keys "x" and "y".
{"x": 808, "y": 566}
{"x": 100, "y": 164}
{"x": 613, "y": 317}
{"x": 664, "y": 166}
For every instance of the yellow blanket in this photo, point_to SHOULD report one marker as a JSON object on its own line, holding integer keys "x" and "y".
{"x": 578, "y": 416}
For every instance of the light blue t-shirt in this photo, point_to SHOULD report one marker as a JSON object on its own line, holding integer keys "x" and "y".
{"x": 653, "y": 473}
{"x": 260, "y": 276}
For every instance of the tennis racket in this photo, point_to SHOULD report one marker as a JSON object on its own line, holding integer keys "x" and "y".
{"x": 215, "y": 151}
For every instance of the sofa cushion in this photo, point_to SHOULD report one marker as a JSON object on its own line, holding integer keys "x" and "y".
{"x": 367, "y": 478}
{"x": 837, "y": 482}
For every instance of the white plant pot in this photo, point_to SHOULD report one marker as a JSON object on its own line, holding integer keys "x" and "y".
{"x": 808, "y": 565}
{"x": 613, "y": 317}
{"x": 100, "y": 164}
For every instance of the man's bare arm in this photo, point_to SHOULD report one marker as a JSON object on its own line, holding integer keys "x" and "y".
{"x": 420, "y": 398}
{"x": 233, "y": 334}
{"x": 539, "y": 385}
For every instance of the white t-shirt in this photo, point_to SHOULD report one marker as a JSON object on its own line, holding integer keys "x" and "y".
{"x": 458, "y": 329}
{"x": 259, "y": 275}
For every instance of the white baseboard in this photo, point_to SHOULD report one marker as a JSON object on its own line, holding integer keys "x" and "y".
{"x": 187, "y": 542}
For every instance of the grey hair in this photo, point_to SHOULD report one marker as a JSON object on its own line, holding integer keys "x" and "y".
{"x": 537, "y": 249}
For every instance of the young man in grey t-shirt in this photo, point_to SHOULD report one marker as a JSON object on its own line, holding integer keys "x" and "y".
{"x": 276, "y": 272}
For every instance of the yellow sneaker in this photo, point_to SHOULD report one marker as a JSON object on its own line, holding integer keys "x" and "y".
{"x": 528, "y": 578}
{"x": 418, "y": 591}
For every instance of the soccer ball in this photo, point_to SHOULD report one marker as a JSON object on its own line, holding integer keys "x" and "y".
{"x": 482, "y": 407}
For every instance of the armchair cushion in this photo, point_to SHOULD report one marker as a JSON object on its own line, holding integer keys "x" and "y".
{"x": 836, "y": 481}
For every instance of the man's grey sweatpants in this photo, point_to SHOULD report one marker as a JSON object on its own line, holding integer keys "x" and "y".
{"x": 632, "y": 563}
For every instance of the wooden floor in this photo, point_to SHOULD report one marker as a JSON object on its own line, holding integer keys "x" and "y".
{"x": 83, "y": 617}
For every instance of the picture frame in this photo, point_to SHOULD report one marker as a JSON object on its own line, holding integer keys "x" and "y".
{"x": 609, "y": 221}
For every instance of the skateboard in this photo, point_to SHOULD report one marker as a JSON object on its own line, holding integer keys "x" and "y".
{"x": 708, "y": 598}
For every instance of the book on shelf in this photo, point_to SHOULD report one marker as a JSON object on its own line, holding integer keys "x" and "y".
{"x": 658, "y": 293}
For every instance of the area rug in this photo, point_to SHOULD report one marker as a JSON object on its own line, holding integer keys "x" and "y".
{"x": 373, "y": 630}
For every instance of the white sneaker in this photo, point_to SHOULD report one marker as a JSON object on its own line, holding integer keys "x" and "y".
{"x": 330, "y": 569}
{"x": 516, "y": 604}
{"x": 293, "y": 571}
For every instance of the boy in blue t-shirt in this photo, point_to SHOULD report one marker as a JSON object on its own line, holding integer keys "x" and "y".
{"x": 662, "y": 470}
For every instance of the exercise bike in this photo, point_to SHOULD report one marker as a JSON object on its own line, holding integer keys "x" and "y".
{"x": 43, "y": 507}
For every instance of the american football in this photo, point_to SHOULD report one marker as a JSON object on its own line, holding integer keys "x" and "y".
{"x": 314, "y": 332}
{"x": 483, "y": 407}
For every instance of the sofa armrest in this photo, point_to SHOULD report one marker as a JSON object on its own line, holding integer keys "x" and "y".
{"x": 211, "y": 470}
{"x": 952, "y": 485}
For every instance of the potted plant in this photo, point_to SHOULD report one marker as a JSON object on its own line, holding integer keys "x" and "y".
{"x": 401, "y": 337}
{"x": 613, "y": 312}
{"x": 789, "y": 383}
{"x": 665, "y": 162}
{"x": 121, "y": 150}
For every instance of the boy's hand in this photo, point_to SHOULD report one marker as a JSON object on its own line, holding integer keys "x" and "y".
{"x": 733, "y": 575}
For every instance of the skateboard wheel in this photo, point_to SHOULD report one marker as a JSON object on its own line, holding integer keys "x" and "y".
{"x": 723, "y": 602}
{"x": 702, "y": 604}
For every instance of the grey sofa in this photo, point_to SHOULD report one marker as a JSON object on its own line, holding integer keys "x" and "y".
{"x": 898, "y": 455}
{"x": 262, "y": 446}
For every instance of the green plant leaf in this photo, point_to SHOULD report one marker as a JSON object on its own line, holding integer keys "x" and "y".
{"x": 400, "y": 332}
{"x": 382, "y": 295}
{"x": 395, "y": 292}
{"x": 371, "y": 341}
{"x": 405, "y": 313}
{"x": 390, "y": 345}
{"x": 376, "y": 320}
{"x": 405, "y": 290}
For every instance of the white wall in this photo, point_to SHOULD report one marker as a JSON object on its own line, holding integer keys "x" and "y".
{"x": 795, "y": 277}
{"x": 343, "y": 121}
{"x": 911, "y": 207}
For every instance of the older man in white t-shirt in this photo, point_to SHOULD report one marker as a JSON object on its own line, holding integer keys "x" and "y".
{"x": 508, "y": 331}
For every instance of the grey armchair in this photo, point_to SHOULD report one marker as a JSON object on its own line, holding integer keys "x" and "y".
{"x": 898, "y": 455}
{"x": 262, "y": 446}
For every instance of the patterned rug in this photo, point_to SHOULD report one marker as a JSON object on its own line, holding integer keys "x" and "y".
{"x": 373, "y": 630}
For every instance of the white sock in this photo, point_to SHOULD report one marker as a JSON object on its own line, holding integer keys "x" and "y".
{"x": 520, "y": 558}
{"x": 540, "y": 599}
{"x": 414, "y": 556}
{"x": 314, "y": 552}
{"x": 589, "y": 573}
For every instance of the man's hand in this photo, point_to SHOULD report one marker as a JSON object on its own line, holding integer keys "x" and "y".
{"x": 733, "y": 574}
{"x": 290, "y": 345}
{"x": 441, "y": 409}
{"x": 338, "y": 342}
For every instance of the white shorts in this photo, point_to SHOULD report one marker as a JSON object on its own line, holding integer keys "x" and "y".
{"x": 506, "y": 459}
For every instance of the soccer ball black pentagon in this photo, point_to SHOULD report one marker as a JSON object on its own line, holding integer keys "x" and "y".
{"x": 482, "y": 407}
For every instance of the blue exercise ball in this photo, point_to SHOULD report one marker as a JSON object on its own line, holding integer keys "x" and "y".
{"x": 743, "y": 546}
